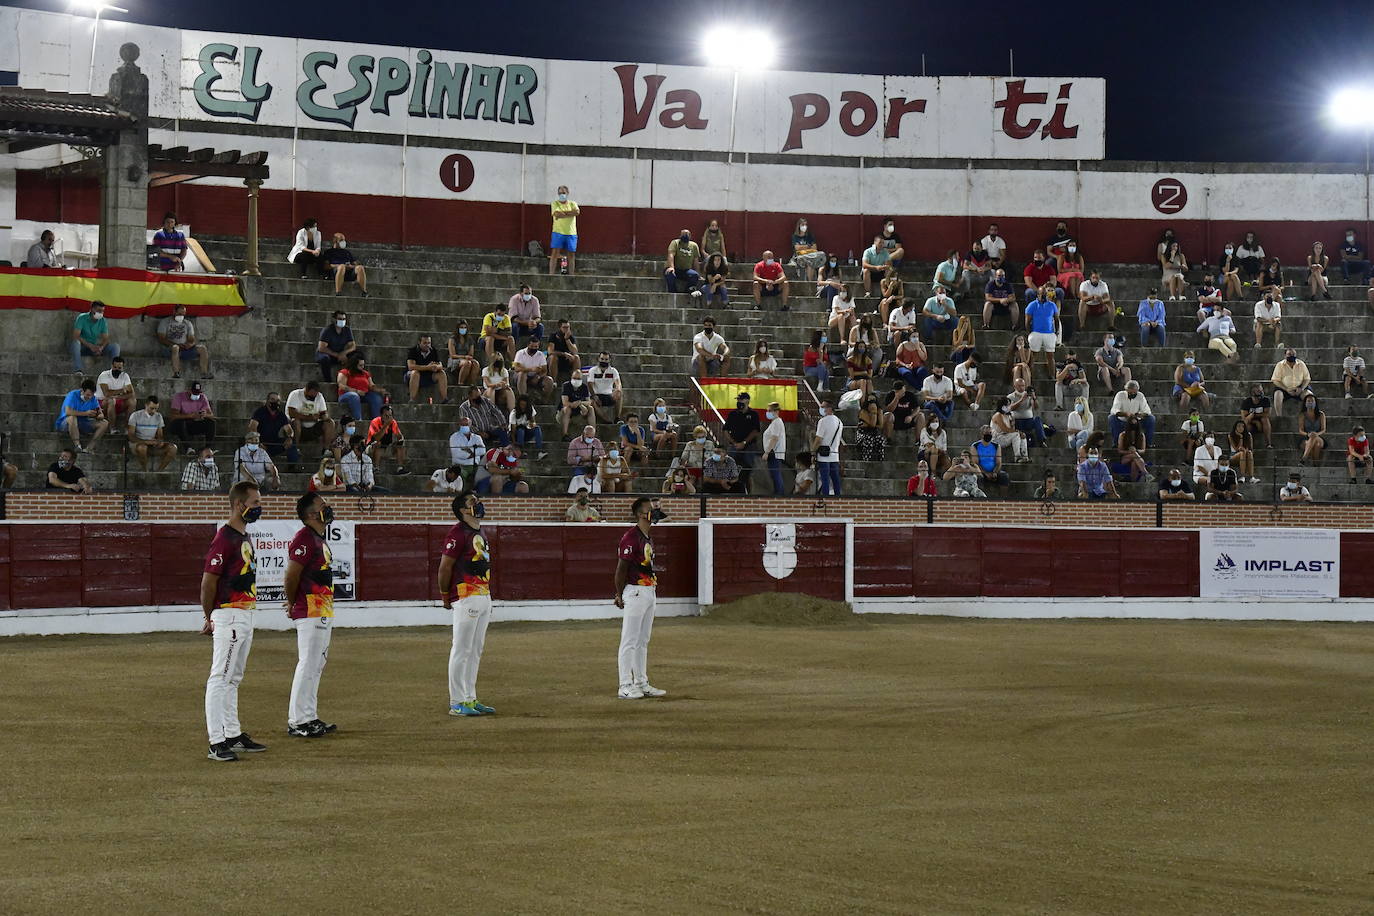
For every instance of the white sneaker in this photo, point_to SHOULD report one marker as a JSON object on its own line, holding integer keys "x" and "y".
{"x": 1254, "y": 480}
{"x": 649, "y": 690}
{"x": 1348, "y": 395}
{"x": 973, "y": 406}
{"x": 696, "y": 294}
{"x": 630, "y": 693}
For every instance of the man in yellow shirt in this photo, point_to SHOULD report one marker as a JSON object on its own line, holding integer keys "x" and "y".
{"x": 497, "y": 333}
{"x": 564, "y": 241}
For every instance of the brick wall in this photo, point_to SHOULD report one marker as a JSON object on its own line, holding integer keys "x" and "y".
{"x": 157, "y": 507}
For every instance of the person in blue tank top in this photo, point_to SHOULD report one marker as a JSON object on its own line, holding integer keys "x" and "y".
{"x": 989, "y": 455}
{"x": 1188, "y": 383}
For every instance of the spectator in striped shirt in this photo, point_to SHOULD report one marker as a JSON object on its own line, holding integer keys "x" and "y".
{"x": 170, "y": 244}
{"x": 201, "y": 473}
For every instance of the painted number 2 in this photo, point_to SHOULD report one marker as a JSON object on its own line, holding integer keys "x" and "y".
{"x": 1169, "y": 195}
{"x": 456, "y": 172}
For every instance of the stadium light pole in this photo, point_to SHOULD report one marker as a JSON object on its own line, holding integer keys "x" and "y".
{"x": 741, "y": 49}
{"x": 97, "y": 7}
{"x": 1353, "y": 109}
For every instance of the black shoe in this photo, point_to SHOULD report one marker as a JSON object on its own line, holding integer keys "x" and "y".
{"x": 245, "y": 744}
{"x": 324, "y": 727}
{"x": 307, "y": 730}
{"x": 221, "y": 752}
{"x": 364, "y": 294}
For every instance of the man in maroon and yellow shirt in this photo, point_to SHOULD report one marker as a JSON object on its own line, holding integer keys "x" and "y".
{"x": 635, "y": 583}
{"x": 465, "y": 578}
{"x": 310, "y": 604}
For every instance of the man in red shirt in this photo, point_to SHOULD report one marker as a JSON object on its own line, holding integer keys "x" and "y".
{"x": 1039, "y": 272}
{"x": 769, "y": 280}
{"x": 1357, "y": 454}
{"x": 384, "y": 433}
{"x": 310, "y": 605}
{"x": 465, "y": 577}
{"x": 635, "y": 594}
{"x": 229, "y": 598}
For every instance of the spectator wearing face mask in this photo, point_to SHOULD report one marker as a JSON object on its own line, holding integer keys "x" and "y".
{"x": 254, "y": 465}
{"x": 335, "y": 344}
{"x": 714, "y": 274}
{"x": 1000, "y": 297}
{"x": 937, "y": 393}
{"x": 1081, "y": 424}
{"x": 967, "y": 382}
{"x": 762, "y": 363}
{"x": 585, "y": 451}
{"x": 1189, "y": 384}
{"x": 200, "y": 473}
{"x": 355, "y": 385}
{"x": 1354, "y": 259}
{"x": 1228, "y": 272}
{"x": 91, "y": 337}
{"x": 1023, "y": 405}
{"x": 277, "y": 433}
{"x": 1255, "y": 410}
{"x": 825, "y": 445}
{"x": 680, "y": 274}
{"x": 485, "y": 418}
{"x": 614, "y": 472}
{"x": 1111, "y": 364}
{"x": 710, "y": 352}
{"x": 947, "y": 276}
{"x": 531, "y": 370}
{"x": 1071, "y": 380}
{"x": 933, "y": 446}
{"x": 1269, "y": 317}
{"x": 719, "y": 473}
{"x": 806, "y": 256}
{"x": 1250, "y": 259}
{"x": 525, "y": 315}
{"x": 466, "y": 450}
{"x": 498, "y": 333}
{"x": 462, "y": 356}
{"x": 356, "y": 468}
{"x": 502, "y": 472}
{"x": 1218, "y": 329}
{"x": 877, "y": 264}
{"x": 1070, "y": 266}
{"x": 769, "y": 281}
{"x": 1352, "y": 372}
{"x": 678, "y": 483}
{"x": 713, "y": 240}
{"x": 177, "y": 333}
{"x": 1317, "y": 280}
{"x": 1095, "y": 479}
{"x": 1208, "y": 297}
{"x": 384, "y": 436}
{"x": 604, "y": 380}
{"x": 1205, "y": 459}
{"x": 743, "y": 429}
{"x": 903, "y": 320}
{"x": 1150, "y": 317}
{"x": 1131, "y": 404}
{"x": 843, "y": 315}
{"x": 1290, "y": 378}
{"x": 634, "y": 439}
{"x": 988, "y": 460}
{"x": 192, "y": 415}
{"x": 1295, "y": 492}
{"x": 563, "y": 241}
{"x": 170, "y": 244}
{"x": 425, "y": 369}
{"x": 64, "y": 474}
{"x": 115, "y": 391}
{"x": 582, "y": 509}
{"x": 663, "y": 430}
{"x": 859, "y": 367}
{"x": 775, "y": 446}
{"x": 345, "y": 266}
{"x": 326, "y": 478}
{"x": 938, "y": 316}
{"x": 309, "y": 415}
{"x": 695, "y": 451}
{"x": 1311, "y": 431}
{"x": 575, "y": 401}
{"x": 1174, "y": 486}
{"x": 816, "y": 360}
{"x": 145, "y": 435}
{"x": 446, "y": 480}
{"x": 1041, "y": 273}
{"x": 1223, "y": 485}
{"x": 1191, "y": 432}
{"x": 966, "y": 476}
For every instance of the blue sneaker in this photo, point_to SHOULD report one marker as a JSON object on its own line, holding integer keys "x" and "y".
{"x": 463, "y": 709}
{"x": 483, "y": 708}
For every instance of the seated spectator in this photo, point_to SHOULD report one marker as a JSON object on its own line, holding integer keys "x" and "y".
{"x": 995, "y": 245}
{"x": 345, "y": 266}
{"x": 308, "y": 414}
{"x": 498, "y": 332}
{"x": 905, "y": 409}
{"x": 967, "y": 383}
{"x": 563, "y": 350}
{"x": 710, "y": 352}
{"x": 466, "y": 451}
{"x": 1024, "y": 408}
{"x": 1189, "y": 385}
{"x": 525, "y": 316}
{"x": 42, "y": 254}
{"x": 1006, "y": 435}
{"x": 872, "y": 430}
{"x": 662, "y": 429}
{"x": 825, "y": 445}
{"x": 170, "y": 244}
{"x": 989, "y": 455}
{"x": 1222, "y": 484}
{"x": 966, "y": 476}
{"x": 335, "y": 344}
{"x": 921, "y": 485}
{"x": 977, "y": 268}
{"x": 1040, "y": 276}
{"x": 1290, "y": 378}
{"x": 1311, "y": 430}
{"x": 1269, "y": 317}
{"x": 114, "y": 389}
{"x": 805, "y": 255}
{"x": 1317, "y": 263}
{"x": 193, "y": 416}
{"x": 1354, "y": 259}
{"x": 830, "y": 279}
{"x": 1058, "y": 243}
{"x": 1228, "y": 272}
{"x": 1112, "y": 367}
{"x": 356, "y": 468}
{"x": 1165, "y": 240}
{"x": 1173, "y": 266}
{"x": 1094, "y": 298}
{"x": 326, "y": 478}
{"x": 1208, "y": 299}
{"x": 1018, "y": 361}
{"x": 254, "y": 465}
{"x": 1191, "y": 432}
{"x": 947, "y": 277}
{"x": 145, "y": 435}
{"x": 909, "y": 361}
{"x": 1149, "y": 315}
{"x": 1042, "y": 317}
{"x": 1129, "y": 404}
{"x": 586, "y": 451}
{"x": 486, "y": 419}
{"x": 775, "y": 446}
{"x": 1081, "y": 424}
{"x": 1255, "y": 410}
{"x": 816, "y": 360}
{"x": 524, "y": 425}
{"x": 582, "y": 509}
{"x": 178, "y": 335}
{"x": 1242, "y": 446}
{"x": 1271, "y": 278}
{"x": 695, "y": 451}
{"x": 891, "y": 293}
{"x": 804, "y": 480}
{"x": 425, "y": 369}
{"x": 1294, "y": 491}
{"x": 634, "y": 439}
{"x": 938, "y": 316}
{"x": 713, "y": 240}
{"x": 680, "y": 273}
{"x": 575, "y": 401}
{"x": 446, "y": 480}
{"x": 1130, "y": 446}
{"x": 715, "y": 275}
{"x": 531, "y": 370}
{"x": 64, "y": 474}
{"x": 842, "y": 315}
{"x": 586, "y": 480}
{"x": 1000, "y": 297}
{"x": 1071, "y": 380}
{"x": 1049, "y": 491}
{"x": 91, "y": 337}
{"x": 277, "y": 432}
{"x": 614, "y": 472}
{"x": 309, "y": 246}
{"x": 502, "y": 472}
{"x": 200, "y": 473}
{"x": 892, "y": 244}
{"x": 1218, "y": 329}
{"x": 384, "y": 439}
{"x": 1352, "y": 372}
{"x": 762, "y": 364}
{"x": 719, "y": 473}
{"x": 964, "y": 342}
{"x": 1250, "y": 258}
{"x": 1070, "y": 270}
{"x": 1175, "y": 486}
{"x": 876, "y": 265}
{"x": 937, "y": 392}
{"x": 769, "y": 280}
{"x": 355, "y": 385}
{"x": 1095, "y": 479}
{"x": 866, "y": 331}
{"x": 1205, "y": 459}
{"x": 606, "y": 391}
{"x": 345, "y": 430}
{"x": 859, "y": 368}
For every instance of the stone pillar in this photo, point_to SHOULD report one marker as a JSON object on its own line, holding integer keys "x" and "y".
{"x": 250, "y": 257}
{"x": 124, "y": 184}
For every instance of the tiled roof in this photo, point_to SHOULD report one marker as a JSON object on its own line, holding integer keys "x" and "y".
{"x": 40, "y": 106}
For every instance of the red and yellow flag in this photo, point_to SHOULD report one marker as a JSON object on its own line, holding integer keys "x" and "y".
{"x": 722, "y": 392}
{"x": 124, "y": 291}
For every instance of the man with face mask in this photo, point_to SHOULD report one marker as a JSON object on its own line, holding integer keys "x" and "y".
{"x": 466, "y": 450}
{"x": 310, "y": 605}
{"x": 335, "y": 343}
{"x": 1294, "y": 491}
{"x": 720, "y": 472}
{"x": 710, "y": 352}
{"x": 91, "y": 337}
{"x": 636, "y": 594}
{"x": 680, "y": 270}
{"x": 1290, "y": 378}
{"x": 1357, "y": 454}
{"x": 1095, "y": 478}
{"x": 1222, "y": 484}
{"x": 585, "y": 451}
{"x": 743, "y": 429}
{"x": 178, "y": 335}
{"x": 606, "y": 391}
{"x": 877, "y": 264}
{"x": 253, "y": 464}
{"x": 582, "y": 509}
{"x": 345, "y": 266}
{"x": 575, "y": 401}
{"x": 525, "y": 314}
{"x": 770, "y": 280}
{"x": 1354, "y": 260}
{"x": 1174, "y": 486}
{"x": 531, "y": 369}
{"x": 63, "y": 474}
{"x": 1039, "y": 274}
{"x": 1269, "y": 317}
{"x": 192, "y": 415}
{"x": 465, "y": 588}
{"x": 145, "y": 435}
{"x": 998, "y": 296}
{"x": 563, "y": 241}
{"x": 114, "y": 388}
{"x": 278, "y": 436}
{"x": 200, "y": 473}
{"x": 229, "y": 600}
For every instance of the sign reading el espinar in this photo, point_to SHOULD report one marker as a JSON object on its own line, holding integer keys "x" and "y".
{"x": 199, "y": 76}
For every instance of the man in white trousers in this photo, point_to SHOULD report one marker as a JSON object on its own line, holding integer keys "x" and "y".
{"x": 465, "y": 587}
{"x": 229, "y": 598}
{"x": 635, "y": 594}
{"x": 310, "y": 605}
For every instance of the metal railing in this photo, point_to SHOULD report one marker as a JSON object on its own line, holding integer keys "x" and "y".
{"x": 714, "y": 421}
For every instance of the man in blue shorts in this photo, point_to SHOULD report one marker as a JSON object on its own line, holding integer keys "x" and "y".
{"x": 564, "y": 240}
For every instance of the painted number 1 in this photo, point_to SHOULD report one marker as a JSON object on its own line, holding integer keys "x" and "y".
{"x": 456, "y": 172}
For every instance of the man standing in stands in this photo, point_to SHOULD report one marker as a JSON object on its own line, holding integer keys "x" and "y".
{"x": 563, "y": 242}
{"x": 465, "y": 577}
{"x": 229, "y": 598}
{"x": 743, "y": 428}
{"x": 310, "y": 605}
{"x": 170, "y": 244}
{"x": 635, "y": 594}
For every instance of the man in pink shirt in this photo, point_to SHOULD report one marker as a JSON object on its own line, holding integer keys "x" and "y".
{"x": 525, "y": 315}
{"x": 192, "y": 416}
{"x": 769, "y": 280}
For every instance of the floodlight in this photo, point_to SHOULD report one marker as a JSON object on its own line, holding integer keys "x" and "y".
{"x": 1352, "y": 107}
{"x": 96, "y": 6}
{"x": 739, "y": 48}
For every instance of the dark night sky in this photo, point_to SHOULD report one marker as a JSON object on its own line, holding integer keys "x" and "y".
{"x": 1185, "y": 81}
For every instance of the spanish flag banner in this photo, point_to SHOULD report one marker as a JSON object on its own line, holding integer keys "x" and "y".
{"x": 722, "y": 392}
{"x": 125, "y": 292}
